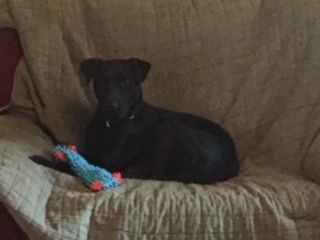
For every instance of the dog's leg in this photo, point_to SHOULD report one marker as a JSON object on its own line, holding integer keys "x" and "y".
{"x": 58, "y": 166}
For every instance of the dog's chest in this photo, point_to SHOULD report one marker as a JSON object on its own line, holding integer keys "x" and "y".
{"x": 118, "y": 140}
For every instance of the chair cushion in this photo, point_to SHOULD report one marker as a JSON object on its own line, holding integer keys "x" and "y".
{"x": 260, "y": 203}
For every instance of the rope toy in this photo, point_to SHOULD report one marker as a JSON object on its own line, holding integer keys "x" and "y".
{"x": 94, "y": 177}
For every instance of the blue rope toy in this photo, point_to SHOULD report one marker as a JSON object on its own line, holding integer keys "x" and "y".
{"x": 94, "y": 177}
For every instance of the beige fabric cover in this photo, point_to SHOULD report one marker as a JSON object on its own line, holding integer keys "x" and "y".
{"x": 251, "y": 65}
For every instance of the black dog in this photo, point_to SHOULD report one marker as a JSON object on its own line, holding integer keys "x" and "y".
{"x": 128, "y": 135}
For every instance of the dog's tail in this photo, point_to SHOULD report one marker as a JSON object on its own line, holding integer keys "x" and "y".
{"x": 56, "y": 165}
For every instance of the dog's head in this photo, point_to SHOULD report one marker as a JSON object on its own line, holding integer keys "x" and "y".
{"x": 117, "y": 84}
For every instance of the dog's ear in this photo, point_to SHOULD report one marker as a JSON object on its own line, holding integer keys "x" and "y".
{"x": 90, "y": 67}
{"x": 141, "y": 68}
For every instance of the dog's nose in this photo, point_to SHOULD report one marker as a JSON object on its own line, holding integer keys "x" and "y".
{"x": 113, "y": 106}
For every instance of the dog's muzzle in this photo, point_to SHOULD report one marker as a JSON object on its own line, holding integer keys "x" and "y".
{"x": 107, "y": 122}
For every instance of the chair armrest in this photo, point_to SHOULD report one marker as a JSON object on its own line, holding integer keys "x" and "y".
{"x": 10, "y": 55}
{"x": 311, "y": 162}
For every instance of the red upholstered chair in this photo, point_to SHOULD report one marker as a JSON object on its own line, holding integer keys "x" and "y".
{"x": 10, "y": 54}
